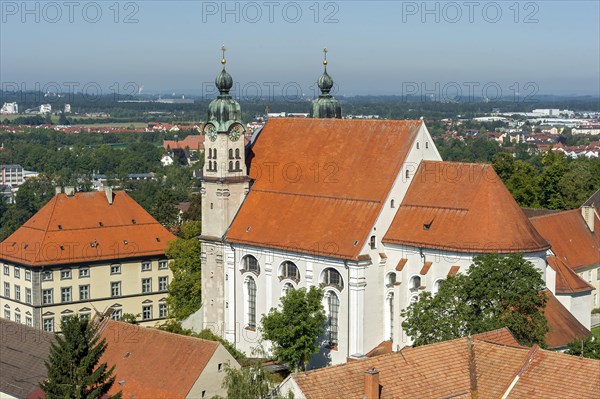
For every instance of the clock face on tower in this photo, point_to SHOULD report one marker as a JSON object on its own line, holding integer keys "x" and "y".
{"x": 211, "y": 131}
{"x": 236, "y": 132}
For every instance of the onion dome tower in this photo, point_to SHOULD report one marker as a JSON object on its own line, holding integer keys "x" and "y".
{"x": 223, "y": 111}
{"x": 326, "y": 106}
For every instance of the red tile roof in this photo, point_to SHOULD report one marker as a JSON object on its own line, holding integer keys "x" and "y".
{"x": 86, "y": 228}
{"x": 320, "y": 183}
{"x": 564, "y": 327}
{"x": 442, "y": 371}
{"x": 502, "y": 336}
{"x": 571, "y": 239}
{"x": 462, "y": 207}
{"x": 193, "y": 142}
{"x": 152, "y": 363}
{"x": 567, "y": 281}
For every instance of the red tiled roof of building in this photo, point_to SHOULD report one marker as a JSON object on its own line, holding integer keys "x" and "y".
{"x": 442, "y": 371}
{"x": 193, "y": 142}
{"x": 502, "y": 336}
{"x": 463, "y": 207}
{"x": 152, "y": 363}
{"x": 310, "y": 195}
{"x": 567, "y": 281}
{"x": 86, "y": 228}
{"x": 564, "y": 327}
{"x": 571, "y": 239}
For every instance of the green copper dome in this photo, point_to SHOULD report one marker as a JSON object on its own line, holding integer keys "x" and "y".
{"x": 223, "y": 111}
{"x": 326, "y": 106}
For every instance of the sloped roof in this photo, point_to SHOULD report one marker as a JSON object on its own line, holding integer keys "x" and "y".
{"x": 23, "y": 350}
{"x": 151, "y": 363}
{"x": 320, "y": 183}
{"x": 86, "y": 228}
{"x": 502, "y": 336}
{"x": 442, "y": 371}
{"x": 594, "y": 200}
{"x": 571, "y": 239}
{"x": 194, "y": 142}
{"x": 463, "y": 207}
{"x": 564, "y": 327}
{"x": 567, "y": 281}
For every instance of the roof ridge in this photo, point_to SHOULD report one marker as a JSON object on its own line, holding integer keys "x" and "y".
{"x": 37, "y": 255}
{"x": 435, "y": 207}
{"x": 554, "y": 213}
{"x": 524, "y": 366}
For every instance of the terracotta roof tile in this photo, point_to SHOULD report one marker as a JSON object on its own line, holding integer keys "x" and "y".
{"x": 153, "y": 363}
{"x": 193, "y": 142}
{"x": 453, "y": 270}
{"x": 564, "y": 327}
{"x": 571, "y": 239}
{"x": 425, "y": 268}
{"x": 462, "y": 207}
{"x": 309, "y": 195}
{"x": 502, "y": 336}
{"x": 442, "y": 371}
{"x": 567, "y": 281}
{"x": 86, "y": 228}
{"x": 401, "y": 264}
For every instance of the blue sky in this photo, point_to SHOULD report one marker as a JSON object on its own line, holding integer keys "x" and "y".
{"x": 375, "y": 47}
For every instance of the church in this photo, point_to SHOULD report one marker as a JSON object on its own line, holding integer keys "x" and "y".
{"x": 366, "y": 209}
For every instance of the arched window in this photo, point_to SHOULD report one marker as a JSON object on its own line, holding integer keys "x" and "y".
{"x": 290, "y": 271}
{"x": 215, "y": 153}
{"x": 287, "y": 287}
{"x": 209, "y": 153}
{"x": 250, "y": 302}
{"x": 415, "y": 283}
{"x": 333, "y": 312}
{"x": 332, "y": 278}
{"x": 414, "y": 298}
{"x": 390, "y": 311}
{"x": 237, "y": 165}
{"x": 436, "y": 286}
{"x": 230, "y": 165}
{"x": 390, "y": 279}
{"x": 231, "y": 153}
{"x": 237, "y": 153}
{"x": 250, "y": 264}
{"x": 373, "y": 242}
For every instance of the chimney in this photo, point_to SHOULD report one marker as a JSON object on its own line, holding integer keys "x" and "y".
{"x": 70, "y": 191}
{"x": 109, "y": 195}
{"x": 57, "y": 190}
{"x": 588, "y": 214}
{"x": 371, "y": 384}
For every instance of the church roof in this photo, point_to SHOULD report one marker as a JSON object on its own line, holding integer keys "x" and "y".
{"x": 320, "y": 183}
{"x": 85, "y": 227}
{"x": 571, "y": 239}
{"x": 567, "y": 281}
{"x": 462, "y": 207}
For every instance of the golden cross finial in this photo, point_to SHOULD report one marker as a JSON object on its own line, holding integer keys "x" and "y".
{"x": 325, "y": 56}
{"x": 223, "y": 49}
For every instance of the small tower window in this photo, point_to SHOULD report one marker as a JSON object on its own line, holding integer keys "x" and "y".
{"x": 417, "y": 145}
{"x": 237, "y": 165}
{"x": 392, "y": 204}
{"x": 373, "y": 242}
{"x": 215, "y": 154}
{"x": 408, "y": 174}
{"x": 237, "y": 153}
{"x": 231, "y": 153}
{"x": 230, "y": 165}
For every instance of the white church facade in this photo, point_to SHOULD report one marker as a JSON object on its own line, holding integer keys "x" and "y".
{"x": 365, "y": 209}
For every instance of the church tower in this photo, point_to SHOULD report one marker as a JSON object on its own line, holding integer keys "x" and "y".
{"x": 326, "y": 106}
{"x": 225, "y": 184}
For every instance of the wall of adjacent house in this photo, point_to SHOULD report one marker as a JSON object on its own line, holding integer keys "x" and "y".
{"x": 210, "y": 380}
{"x": 579, "y": 305}
{"x": 131, "y": 298}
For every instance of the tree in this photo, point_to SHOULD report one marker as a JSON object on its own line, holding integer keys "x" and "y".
{"x": 250, "y": 383}
{"x": 497, "y": 291}
{"x": 73, "y": 365}
{"x": 295, "y": 328}
{"x": 587, "y": 347}
{"x": 185, "y": 289}
{"x": 163, "y": 208}
{"x": 195, "y": 210}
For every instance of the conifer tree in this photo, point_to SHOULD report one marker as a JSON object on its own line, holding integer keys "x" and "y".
{"x": 73, "y": 365}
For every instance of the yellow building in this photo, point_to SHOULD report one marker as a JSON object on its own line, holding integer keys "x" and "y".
{"x": 84, "y": 252}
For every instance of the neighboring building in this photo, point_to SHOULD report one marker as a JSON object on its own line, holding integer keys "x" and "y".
{"x": 67, "y": 108}
{"x": 22, "y": 352}
{"x": 192, "y": 143}
{"x": 149, "y": 363}
{"x": 363, "y": 208}
{"x": 166, "y": 160}
{"x": 587, "y": 129}
{"x": 9, "y": 109}
{"x": 491, "y": 365}
{"x": 85, "y": 251}
{"x": 15, "y": 175}
{"x": 575, "y": 239}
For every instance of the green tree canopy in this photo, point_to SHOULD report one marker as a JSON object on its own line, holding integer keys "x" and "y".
{"x": 588, "y": 347}
{"x": 73, "y": 365}
{"x": 185, "y": 289}
{"x": 497, "y": 291}
{"x": 294, "y": 328}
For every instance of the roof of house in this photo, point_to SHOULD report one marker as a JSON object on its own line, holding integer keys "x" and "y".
{"x": 463, "y": 207}
{"x": 23, "y": 350}
{"x": 564, "y": 327}
{"x": 194, "y": 142}
{"x": 567, "y": 281}
{"x": 320, "y": 183}
{"x": 84, "y": 227}
{"x": 594, "y": 200}
{"x": 570, "y": 237}
{"x": 151, "y": 363}
{"x": 442, "y": 371}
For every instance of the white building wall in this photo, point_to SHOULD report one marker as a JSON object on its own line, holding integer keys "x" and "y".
{"x": 579, "y": 305}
